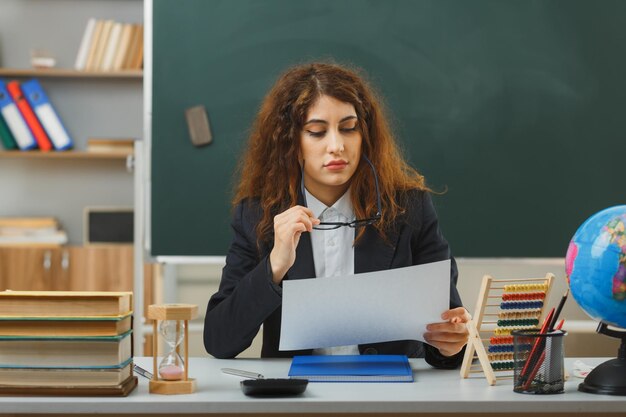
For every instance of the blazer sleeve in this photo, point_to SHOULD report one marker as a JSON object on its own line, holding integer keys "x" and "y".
{"x": 246, "y": 296}
{"x": 430, "y": 246}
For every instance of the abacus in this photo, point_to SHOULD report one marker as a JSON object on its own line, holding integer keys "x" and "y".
{"x": 503, "y": 305}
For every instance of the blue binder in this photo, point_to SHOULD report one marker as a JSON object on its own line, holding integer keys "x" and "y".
{"x": 352, "y": 368}
{"x": 48, "y": 117}
{"x": 14, "y": 120}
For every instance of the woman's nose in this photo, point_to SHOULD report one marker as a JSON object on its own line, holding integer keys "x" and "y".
{"x": 335, "y": 142}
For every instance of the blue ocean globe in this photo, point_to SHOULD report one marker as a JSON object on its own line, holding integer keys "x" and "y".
{"x": 595, "y": 265}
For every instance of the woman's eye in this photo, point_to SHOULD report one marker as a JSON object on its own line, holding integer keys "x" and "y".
{"x": 316, "y": 134}
{"x": 348, "y": 129}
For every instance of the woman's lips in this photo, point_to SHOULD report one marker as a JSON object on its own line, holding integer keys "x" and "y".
{"x": 336, "y": 166}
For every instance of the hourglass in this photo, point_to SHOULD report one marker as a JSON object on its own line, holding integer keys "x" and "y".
{"x": 171, "y": 322}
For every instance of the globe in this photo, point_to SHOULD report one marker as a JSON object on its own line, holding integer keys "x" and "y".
{"x": 595, "y": 265}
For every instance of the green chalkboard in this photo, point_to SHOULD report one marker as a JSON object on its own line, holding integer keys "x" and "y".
{"x": 516, "y": 108}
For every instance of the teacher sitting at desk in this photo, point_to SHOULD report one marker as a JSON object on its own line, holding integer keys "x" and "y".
{"x": 324, "y": 191}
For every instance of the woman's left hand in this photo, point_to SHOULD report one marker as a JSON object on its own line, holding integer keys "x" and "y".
{"x": 449, "y": 336}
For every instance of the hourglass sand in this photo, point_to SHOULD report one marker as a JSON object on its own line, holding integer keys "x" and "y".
{"x": 171, "y": 324}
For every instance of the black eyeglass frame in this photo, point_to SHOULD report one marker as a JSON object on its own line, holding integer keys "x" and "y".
{"x": 354, "y": 223}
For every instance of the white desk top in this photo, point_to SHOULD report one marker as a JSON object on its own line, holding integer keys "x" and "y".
{"x": 433, "y": 391}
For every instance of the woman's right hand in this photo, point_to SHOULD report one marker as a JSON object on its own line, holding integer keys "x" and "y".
{"x": 288, "y": 226}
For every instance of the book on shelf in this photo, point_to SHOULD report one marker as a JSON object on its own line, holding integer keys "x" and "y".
{"x": 43, "y": 141}
{"x": 6, "y": 137}
{"x": 31, "y": 231}
{"x": 50, "y": 120}
{"x": 122, "y": 50}
{"x": 121, "y": 145}
{"x": 137, "y": 62}
{"x": 102, "y": 44}
{"x": 14, "y": 120}
{"x": 66, "y": 351}
{"x": 108, "y": 45}
{"x": 29, "y": 222}
{"x": 65, "y": 326}
{"x": 64, "y": 303}
{"x": 95, "y": 41}
{"x": 85, "y": 44}
{"x": 351, "y": 368}
{"x": 111, "y": 47}
{"x": 134, "y": 49}
{"x": 65, "y": 377}
{"x": 35, "y": 238}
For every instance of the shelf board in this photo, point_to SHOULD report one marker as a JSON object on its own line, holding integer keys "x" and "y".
{"x": 69, "y": 73}
{"x": 63, "y": 155}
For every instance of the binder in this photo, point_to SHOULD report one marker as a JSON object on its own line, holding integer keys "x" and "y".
{"x": 31, "y": 120}
{"x": 6, "y": 137}
{"x": 13, "y": 118}
{"x": 352, "y": 368}
{"x": 38, "y": 100}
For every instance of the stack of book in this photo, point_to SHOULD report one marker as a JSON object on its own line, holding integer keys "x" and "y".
{"x": 66, "y": 343}
{"x": 28, "y": 120}
{"x": 31, "y": 231}
{"x": 110, "y": 46}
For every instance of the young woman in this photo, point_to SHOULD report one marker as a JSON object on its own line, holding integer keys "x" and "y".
{"x": 324, "y": 191}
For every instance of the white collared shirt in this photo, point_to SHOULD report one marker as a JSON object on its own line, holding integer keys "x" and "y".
{"x": 333, "y": 250}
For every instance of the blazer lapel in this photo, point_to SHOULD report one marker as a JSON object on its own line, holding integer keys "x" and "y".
{"x": 303, "y": 267}
{"x": 373, "y": 253}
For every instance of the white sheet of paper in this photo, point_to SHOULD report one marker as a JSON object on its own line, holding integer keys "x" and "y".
{"x": 372, "y": 307}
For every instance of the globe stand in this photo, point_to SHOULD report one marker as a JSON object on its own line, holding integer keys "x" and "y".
{"x": 609, "y": 377}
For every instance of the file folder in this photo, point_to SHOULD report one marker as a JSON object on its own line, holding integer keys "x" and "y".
{"x": 29, "y": 117}
{"x": 38, "y": 100}
{"x": 14, "y": 120}
{"x": 351, "y": 368}
{"x": 6, "y": 137}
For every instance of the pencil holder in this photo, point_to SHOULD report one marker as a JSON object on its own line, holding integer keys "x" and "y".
{"x": 538, "y": 362}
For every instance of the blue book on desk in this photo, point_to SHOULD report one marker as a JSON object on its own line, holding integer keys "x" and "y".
{"x": 352, "y": 368}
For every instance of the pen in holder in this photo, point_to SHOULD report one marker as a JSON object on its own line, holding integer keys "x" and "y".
{"x": 538, "y": 362}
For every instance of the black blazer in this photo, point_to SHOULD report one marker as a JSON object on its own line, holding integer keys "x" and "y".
{"x": 247, "y": 297}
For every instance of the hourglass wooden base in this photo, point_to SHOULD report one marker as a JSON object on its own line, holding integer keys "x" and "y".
{"x": 173, "y": 387}
{"x": 179, "y": 313}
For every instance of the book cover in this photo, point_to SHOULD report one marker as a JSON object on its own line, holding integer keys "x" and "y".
{"x": 121, "y": 145}
{"x": 121, "y": 390}
{"x": 65, "y": 352}
{"x": 8, "y": 141}
{"x": 29, "y": 116}
{"x": 93, "y": 46}
{"x": 103, "y": 41}
{"x": 50, "y": 120}
{"x": 71, "y": 377}
{"x": 64, "y": 303}
{"x": 65, "y": 326}
{"x": 352, "y": 368}
{"x": 137, "y": 62}
{"x": 133, "y": 47}
{"x": 13, "y": 118}
{"x": 111, "y": 47}
{"x": 120, "y": 54}
{"x": 85, "y": 44}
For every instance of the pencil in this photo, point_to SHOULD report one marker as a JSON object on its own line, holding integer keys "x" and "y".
{"x": 558, "y": 310}
{"x": 535, "y": 349}
{"x": 532, "y": 375}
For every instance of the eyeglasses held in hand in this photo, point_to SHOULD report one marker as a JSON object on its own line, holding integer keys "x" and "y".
{"x": 354, "y": 223}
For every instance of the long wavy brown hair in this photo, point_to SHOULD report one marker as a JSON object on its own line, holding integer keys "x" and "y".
{"x": 270, "y": 167}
